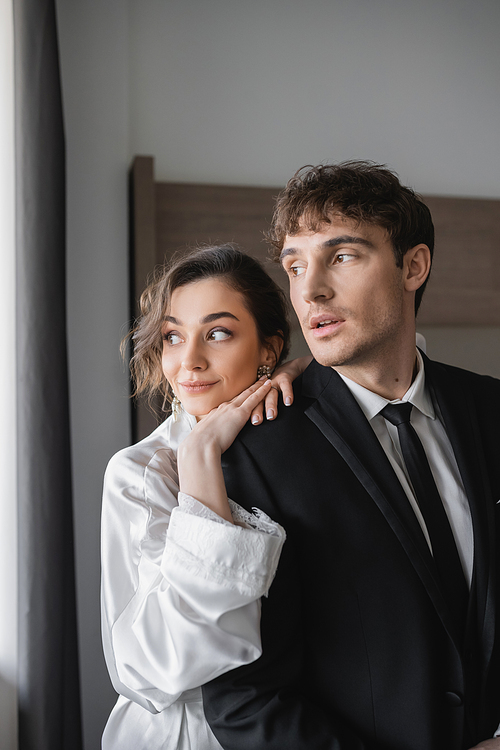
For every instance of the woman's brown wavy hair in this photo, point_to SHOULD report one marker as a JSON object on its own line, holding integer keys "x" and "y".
{"x": 262, "y": 296}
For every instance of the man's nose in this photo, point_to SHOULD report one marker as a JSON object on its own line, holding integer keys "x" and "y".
{"x": 316, "y": 284}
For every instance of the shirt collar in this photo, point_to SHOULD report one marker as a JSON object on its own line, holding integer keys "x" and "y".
{"x": 417, "y": 394}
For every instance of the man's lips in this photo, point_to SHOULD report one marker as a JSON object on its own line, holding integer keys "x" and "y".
{"x": 197, "y": 386}
{"x": 322, "y": 325}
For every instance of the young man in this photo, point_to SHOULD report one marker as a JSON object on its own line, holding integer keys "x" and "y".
{"x": 380, "y": 628}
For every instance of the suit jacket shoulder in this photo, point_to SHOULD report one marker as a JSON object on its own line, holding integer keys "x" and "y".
{"x": 355, "y": 584}
{"x": 480, "y": 386}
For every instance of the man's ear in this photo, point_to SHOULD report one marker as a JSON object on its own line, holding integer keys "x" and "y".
{"x": 271, "y": 351}
{"x": 417, "y": 266}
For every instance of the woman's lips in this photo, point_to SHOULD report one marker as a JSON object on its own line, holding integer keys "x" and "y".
{"x": 197, "y": 386}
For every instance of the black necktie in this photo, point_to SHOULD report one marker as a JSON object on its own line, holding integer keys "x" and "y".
{"x": 446, "y": 558}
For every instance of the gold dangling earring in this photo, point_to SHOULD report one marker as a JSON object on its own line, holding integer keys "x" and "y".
{"x": 263, "y": 370}
{"x": 176, "y": 408}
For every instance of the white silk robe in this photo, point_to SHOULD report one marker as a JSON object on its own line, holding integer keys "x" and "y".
{"x": 181, "y": 592}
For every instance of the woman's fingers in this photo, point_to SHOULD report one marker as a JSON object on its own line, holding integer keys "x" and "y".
{"x": 219, "y": 428}
{"x": 249, "y": 393}
{"x": 284, "y": 383}
{"x": 268, "y": 406}
{"x": 281, "y": 382}
{"x": 257, "y": 414}
{"x": 241, "y": 409}
{"x": 279, "y": 385}
{"x": 271, "y": 403}
{"x": 257, "y": 395}
{"x": 249, "y": 401}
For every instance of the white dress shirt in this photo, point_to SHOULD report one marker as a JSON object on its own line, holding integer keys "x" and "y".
{"x": 429, "y": 427}
{"x": 181, "y": 592}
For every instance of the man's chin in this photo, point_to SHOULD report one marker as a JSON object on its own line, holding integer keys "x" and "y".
{"x": 322, "y": 353}
{"x": 322, "y": 360}
{"x": 333, "y": 356}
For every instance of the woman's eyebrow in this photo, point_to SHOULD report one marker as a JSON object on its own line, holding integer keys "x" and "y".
{"x": 207, "y": 319}
{"x": 215, "y": 316}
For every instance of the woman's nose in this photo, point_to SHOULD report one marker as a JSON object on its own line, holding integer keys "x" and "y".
{"x": 194, "y": 358}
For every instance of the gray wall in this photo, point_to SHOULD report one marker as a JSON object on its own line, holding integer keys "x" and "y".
{"x": 246, "y": 93}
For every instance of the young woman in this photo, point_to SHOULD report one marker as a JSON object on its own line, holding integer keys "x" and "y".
{"x": 183, "y": 567}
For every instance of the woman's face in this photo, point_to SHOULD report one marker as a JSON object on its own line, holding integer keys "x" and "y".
{"x": 211, "y": 348}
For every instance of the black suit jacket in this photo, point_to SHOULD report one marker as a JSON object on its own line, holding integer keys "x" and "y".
{"x": 359, "y": 650}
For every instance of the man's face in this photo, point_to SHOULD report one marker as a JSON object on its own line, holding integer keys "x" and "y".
{"x": 347, "y": 292}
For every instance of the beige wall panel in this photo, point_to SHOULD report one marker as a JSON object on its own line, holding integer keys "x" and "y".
{"x": 474, "y": 348}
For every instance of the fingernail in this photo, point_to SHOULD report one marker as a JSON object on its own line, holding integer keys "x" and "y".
{"x": 288, "y": 401}
{"x": 270, "y": 413}
{"x": 255, "y": 420}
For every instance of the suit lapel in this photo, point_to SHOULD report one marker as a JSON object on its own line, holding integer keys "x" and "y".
{"x": 338, "y": 416}
{"x": 458, "y": 411}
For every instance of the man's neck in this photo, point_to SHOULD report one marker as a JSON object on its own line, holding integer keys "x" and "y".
{"x": 389, "y": 378}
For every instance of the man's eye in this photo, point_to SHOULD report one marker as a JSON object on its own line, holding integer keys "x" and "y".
{"x": 218, "y": 334}
{"x": 343, "y": 257}
{"x": 296, "y": 270}
{"x": 172, "y": 338}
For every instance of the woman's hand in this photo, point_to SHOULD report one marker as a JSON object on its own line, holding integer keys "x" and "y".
{"x": 198, "y": 457}
{"x": 220, "y": 426}
{"x": 282, "y": 380}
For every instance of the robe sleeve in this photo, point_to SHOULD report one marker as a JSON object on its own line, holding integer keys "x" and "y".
{"x": 181, "y": 586}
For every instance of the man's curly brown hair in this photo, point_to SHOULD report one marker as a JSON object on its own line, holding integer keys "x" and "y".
{"x": 361, "y": 191}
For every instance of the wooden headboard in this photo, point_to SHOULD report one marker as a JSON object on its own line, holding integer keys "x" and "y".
{"x": 464, "y": 288}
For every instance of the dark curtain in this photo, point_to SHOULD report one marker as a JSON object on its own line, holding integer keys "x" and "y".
{"x": 49, "y": 702}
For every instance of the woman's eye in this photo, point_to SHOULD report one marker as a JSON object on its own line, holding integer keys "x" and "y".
{"x": 219, "y": 334}
{"x": 172, "y": 338}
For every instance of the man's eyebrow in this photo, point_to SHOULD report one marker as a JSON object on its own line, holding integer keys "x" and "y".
{"x": 343, "y": 239}
{"x": 207, "y": 319}
{"x": 347, "y": 239}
